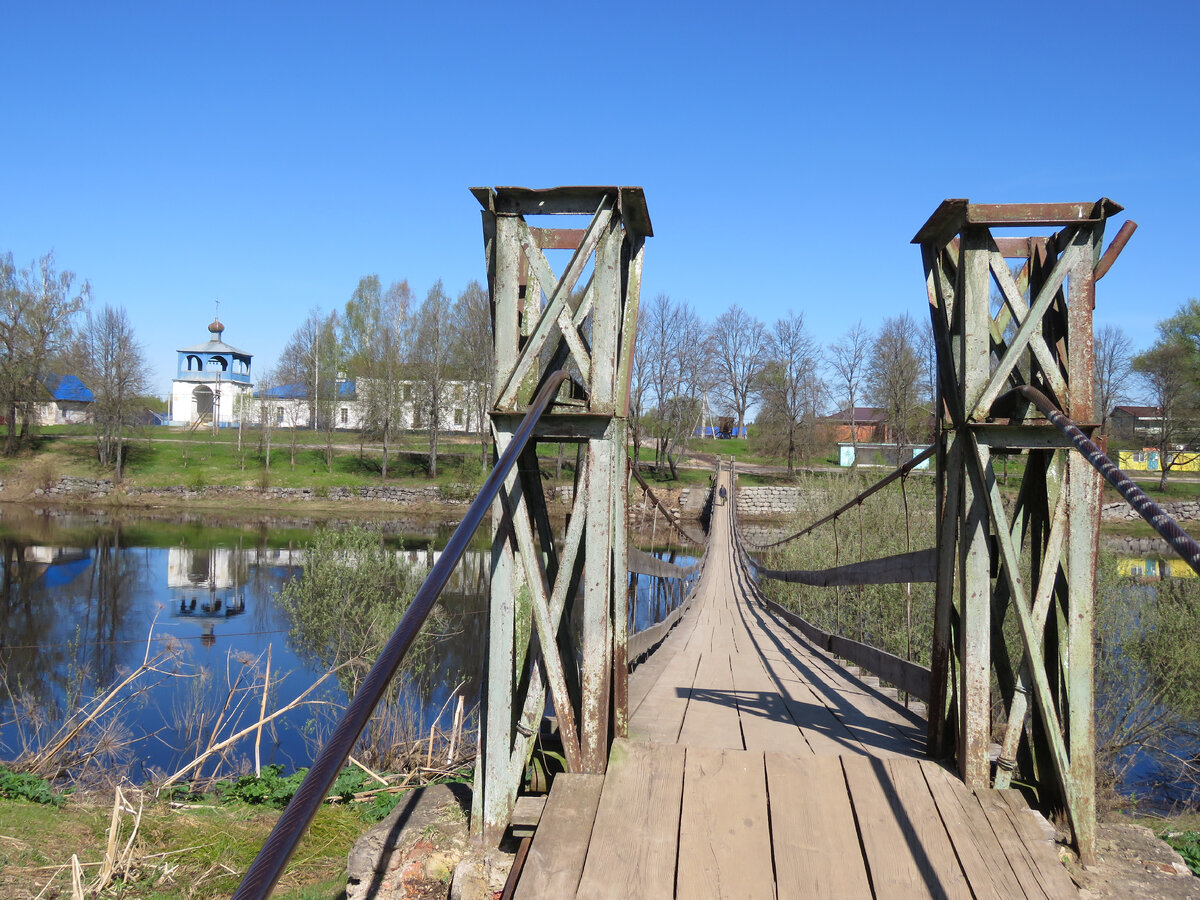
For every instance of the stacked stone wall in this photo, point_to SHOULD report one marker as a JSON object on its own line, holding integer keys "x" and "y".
{"x": 767, "y": 501}
{"x": 1182, "y": 511}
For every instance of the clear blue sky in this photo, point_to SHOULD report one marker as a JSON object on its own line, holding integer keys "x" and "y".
{"x": 269, "y": 155}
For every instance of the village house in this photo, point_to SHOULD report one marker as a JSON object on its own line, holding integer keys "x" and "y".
{"x": 68, "y": 402}
{"x": 1137, "y": 424}
{"x": 291, "y": 406}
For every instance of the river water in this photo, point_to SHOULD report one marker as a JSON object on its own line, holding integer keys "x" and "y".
{"x": 83, "y": 599}
{"x": 80, "y": 598}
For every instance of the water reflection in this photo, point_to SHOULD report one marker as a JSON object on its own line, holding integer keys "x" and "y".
{"x": 79, "y": 601}
{"x": 209, "y": 586}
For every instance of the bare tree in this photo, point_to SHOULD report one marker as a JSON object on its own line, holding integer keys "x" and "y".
{"x": 269, "y": 413}
{"x": 432, "y": 356}
{"x": 848, "y": 359}
{"x": 114, "y": 363}
{"x": 739, "y": 345}
{"x": 790, "y": 388}
{"x": 310, "y": 365}
{"x": 38, "y": 310}
{"x": 678, "y": 362}
{"x": 1113, "y": 363}
{"x": 1166, "y": 371}
{"x": 639, "y": 386}
{"x": 472, "y": 319}
{"x": 375, "y": 329}
{"x": 894, "y": 376}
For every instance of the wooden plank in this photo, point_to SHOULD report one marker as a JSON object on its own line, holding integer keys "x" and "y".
{"x": 873, "y": 733}
{"x": 888, "y": 839}
{"x": 767, "y": 723}
{"x": 1011, "y": 845}
{"x": 636, "y": 832}
{"x": 824, "y": 732}
{"x": 983, "y": 862}
{"x": 813, "y": 833}
{"x": 712, "y": 717}
{"x": 724, "y": 833}
{"x": 1042, "y": 849}
{"x": 930, "y": 845}
{"x": 559, "y": 849}
{"x": 660, "y": 716}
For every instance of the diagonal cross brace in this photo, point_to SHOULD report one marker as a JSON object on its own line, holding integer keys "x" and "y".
{"x": 548, "y": 322}
{"x": 1080, "y": 240}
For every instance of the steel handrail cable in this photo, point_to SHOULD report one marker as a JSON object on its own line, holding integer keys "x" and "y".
{"x": 281, "y": 843}
{"x": 850, "y": 504}
{"x": 658, "y": 503}
{"x": 1159, "y": 520}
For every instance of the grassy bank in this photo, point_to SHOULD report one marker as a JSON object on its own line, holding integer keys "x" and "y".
{"x": 193, "y": 853}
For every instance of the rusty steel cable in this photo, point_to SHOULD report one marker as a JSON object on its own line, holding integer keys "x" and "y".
{"x": 268, "y": 865}
{"x": 659, "y": 505}
{"x": 1159, "y": 520}
{"x": 879, "y": 485}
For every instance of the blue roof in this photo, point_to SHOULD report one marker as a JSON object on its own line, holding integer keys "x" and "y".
{"x": 67, "y": 387}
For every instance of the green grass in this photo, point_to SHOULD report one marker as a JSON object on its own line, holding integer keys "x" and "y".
{"x": 183, "y": 853}
{"x": 1176, "y": 489}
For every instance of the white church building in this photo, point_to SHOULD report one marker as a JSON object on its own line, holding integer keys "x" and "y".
{"x": 210, "y": 381}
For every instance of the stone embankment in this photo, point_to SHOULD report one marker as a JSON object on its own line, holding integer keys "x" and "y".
{"x": 76, "y": 488}
{"x": 767, "y": 501}
{"x": 1182, "y": 511}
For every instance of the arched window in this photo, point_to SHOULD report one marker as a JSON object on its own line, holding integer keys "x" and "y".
{"x": 194, "y": 364}
{"x": 217, "y": 364}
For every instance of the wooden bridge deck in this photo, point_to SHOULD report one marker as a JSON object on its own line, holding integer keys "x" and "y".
{"x": 758, "y": 767}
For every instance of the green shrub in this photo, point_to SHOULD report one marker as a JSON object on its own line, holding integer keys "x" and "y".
{"x": 271, "y": 788}
{"x": 1188, "y": 845}
{"x": 27, "y": 786}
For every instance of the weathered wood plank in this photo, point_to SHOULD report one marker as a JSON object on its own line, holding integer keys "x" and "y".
{"x": 888, "y": 838}
{"x": 813, "y": 833}
{"x": 983, "y": 862}
{"x": 660, "y": 716}
{"x": 724, "y": 833}
{"x": 1011, "y": 845}
{"x": 636, "y": 832}
{"x": 767, "y": 723}
{"x": 929, "y": 844}
{"x": 1054, "y": 877}
{"x": 559, "y": 849}
{"x": 712, "y": 717}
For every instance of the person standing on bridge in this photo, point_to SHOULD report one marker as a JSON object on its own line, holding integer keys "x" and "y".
{"x": 722, "y": 494}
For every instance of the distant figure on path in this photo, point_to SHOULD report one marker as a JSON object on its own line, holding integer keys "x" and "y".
{"x": 722, "y": 493}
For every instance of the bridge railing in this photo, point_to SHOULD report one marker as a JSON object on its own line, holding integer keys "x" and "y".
{"x": 678, "y": 581}
{"x": 911, "y": 567}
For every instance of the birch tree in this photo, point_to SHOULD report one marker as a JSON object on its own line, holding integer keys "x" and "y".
{"x": 790, "y": 388}
{"x": 38, "y": 312}
{"x": 894, "y": 376}
{"x": 115, "y": 370}
{"x": 432, "y": 356}
{"x": 375, "y": 328}
{"x": 848, "y": 359}
{"x": 472, "y": 318}
{"x": 738, "y": 346}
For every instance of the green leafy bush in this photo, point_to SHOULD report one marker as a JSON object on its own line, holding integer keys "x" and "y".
{"x": 271, "y": 788}
{"x": 1188, "y": 845}
{"x": 27, "y": 786}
